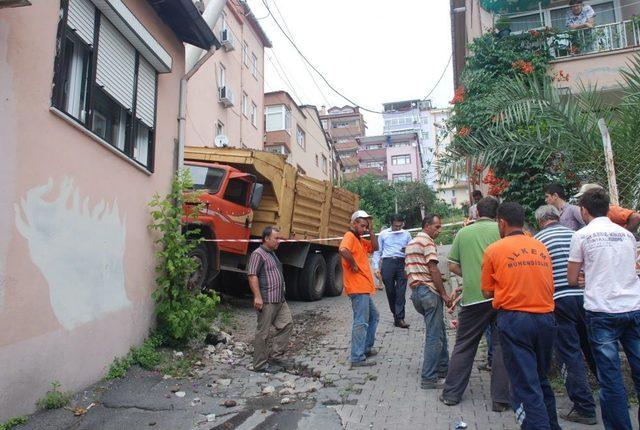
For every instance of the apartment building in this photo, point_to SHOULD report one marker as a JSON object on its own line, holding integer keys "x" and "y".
{"x": 614, "y": 40}
{"x": 395, "y": 157}
{"x": 297, "y": 132}
{"x": 453, "y": 190}
{"x": 414, "y": 116}
{"x": 88, "y": 112}
{"x": 225, "y": 102}
{"x": 345, "y": 124}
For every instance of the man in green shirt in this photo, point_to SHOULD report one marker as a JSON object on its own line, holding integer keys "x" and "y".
{"x": 477, "y": 313}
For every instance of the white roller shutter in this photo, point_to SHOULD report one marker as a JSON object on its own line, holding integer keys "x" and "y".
{"x": 146, "y": 97}
{"x": 115, "y": 70}
{"x": 81, "y": 18}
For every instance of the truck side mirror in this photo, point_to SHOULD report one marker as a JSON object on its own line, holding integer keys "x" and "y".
{"x": 256, "y": 195}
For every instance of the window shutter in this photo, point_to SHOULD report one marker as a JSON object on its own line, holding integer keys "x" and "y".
{"x": 116, "y": 64}
{"x": 146, "y": 97}
{"x": 81, "y": 18}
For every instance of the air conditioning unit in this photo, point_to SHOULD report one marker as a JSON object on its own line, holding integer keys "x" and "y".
{"x": 226, "y": 40}
{"x": 14, "y": 3}
{"x": 225, "y": 96}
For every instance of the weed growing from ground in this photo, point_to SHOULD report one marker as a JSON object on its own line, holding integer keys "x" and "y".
{"x": 54, "y": 399}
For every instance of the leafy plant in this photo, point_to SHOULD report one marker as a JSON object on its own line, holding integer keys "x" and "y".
{"x": 13, "y": 422}
{"x": 503, "y": 23}
{"x": 182, "y": 314}
{"x": 147, "y": 355}
{"x": 54, "y": 398}
{"x": 118, "y": 367}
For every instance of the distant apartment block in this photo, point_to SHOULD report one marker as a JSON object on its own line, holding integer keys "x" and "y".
{"x": 297, "y": 132}
{"x": 345, "y": 124}
{"x": 453, "y": 190}
{"x": 394, "y": 157}
{"x": 225, "y": 97}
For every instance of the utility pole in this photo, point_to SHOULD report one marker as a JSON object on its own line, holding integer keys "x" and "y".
{"x": 609, "y": 164}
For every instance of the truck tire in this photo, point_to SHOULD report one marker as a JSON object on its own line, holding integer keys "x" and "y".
{"x": 313, "y": 278}
{"x": 198, "y": 280}
{"x": 333, "y": 285}
{"x": 291, "y": 280}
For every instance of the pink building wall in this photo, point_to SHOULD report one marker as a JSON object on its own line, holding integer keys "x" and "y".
{"x": 76, "y": 257}
{"x": 413, "y": 167}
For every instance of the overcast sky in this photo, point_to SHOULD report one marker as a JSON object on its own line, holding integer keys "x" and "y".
{"x": 372, "y": 51}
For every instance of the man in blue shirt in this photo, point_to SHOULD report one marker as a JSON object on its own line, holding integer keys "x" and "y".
{"x": 388, "y": 263}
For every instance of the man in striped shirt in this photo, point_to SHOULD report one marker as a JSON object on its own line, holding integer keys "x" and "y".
{"x": 571, "y": 341}
{"x": 428, "y": 296}
{"x": 266, "y": 281}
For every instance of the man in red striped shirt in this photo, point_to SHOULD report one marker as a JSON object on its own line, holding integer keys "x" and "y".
{"x": 266, "y": 281}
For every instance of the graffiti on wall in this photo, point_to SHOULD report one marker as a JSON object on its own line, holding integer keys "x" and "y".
{"x": 78, "y": 248}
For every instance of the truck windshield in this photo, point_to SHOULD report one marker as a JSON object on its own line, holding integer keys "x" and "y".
{"x": 206, "y": 178}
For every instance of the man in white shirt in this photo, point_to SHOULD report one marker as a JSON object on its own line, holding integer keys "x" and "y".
{"x": 607, "y": 254}
{"x": 580, "y": 15}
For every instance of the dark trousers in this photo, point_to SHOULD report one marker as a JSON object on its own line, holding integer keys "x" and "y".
{"x": 527, "y": 346}
{"x": 605, "y": 331}
{"x": 473, "y": 321}
{"x": 572, "y": 334}
{"x": 395, "y": 284}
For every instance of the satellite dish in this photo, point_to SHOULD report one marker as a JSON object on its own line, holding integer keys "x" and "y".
{"x": 221, "y": 141}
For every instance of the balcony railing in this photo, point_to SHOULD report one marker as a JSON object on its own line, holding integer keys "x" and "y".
{"x": 602, "y": 38}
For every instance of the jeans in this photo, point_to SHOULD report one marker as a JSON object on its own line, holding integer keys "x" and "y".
{"x": 473, "y": 321}
{"x": 527, "y": 346}
{"x": 569, "y": 314}
{"x": 605, "y": 331}
{"x": 436, "y": 356}
{"x": 365, "y": 322}
{"x": 488, "y": 335}
{"x": 395, "y": 284}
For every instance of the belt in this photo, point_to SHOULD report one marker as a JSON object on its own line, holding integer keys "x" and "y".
{"x": 393, "y": 258}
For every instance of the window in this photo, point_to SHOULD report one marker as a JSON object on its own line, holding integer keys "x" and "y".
{"x": 237, "y": 191}
{"x": 325, "y": 124}
{"x": 254, "y": 114}
{"x": 343, "y": 124}
{"x": 278, "y": 118}
{"x": 522, "y": 23}
{"x": 219, "y": 128}
{"x": 373, "y": 164}
{"x": 110, "y": 91}
{"x": 323, "y": 166}
{"x": 343, "y": 140}
{"x": 254, "y": 65}
{"x": 300, "y": 139}
{"x": 605, "y": 14}
{"x": 425, "y": 135}
{"x": 206, "y": 178}
{"x": 245, "y": 104}
{"x": 402, "y": 177}
{"x": 399, "y": 160}
{"x": 317, "y": 160}
{"x": 374, "y": 146}
{"x": 245, "y": 54}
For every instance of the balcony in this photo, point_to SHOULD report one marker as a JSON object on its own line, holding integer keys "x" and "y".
{"x": 602, "y": 38}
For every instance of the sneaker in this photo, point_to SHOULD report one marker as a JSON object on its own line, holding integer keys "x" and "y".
{"x": 431, "y": 385}
{"x": 371, "y": 352}
{"x": 363, "y": 363}
{"x": 448, "y": 402}
{"x": 500, "y": 407}
{"x": 578, "y": 417}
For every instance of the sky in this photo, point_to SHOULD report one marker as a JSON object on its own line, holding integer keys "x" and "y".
{"x": 372, "y": 51}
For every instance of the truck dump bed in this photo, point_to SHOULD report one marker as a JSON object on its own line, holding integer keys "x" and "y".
{"x": 303, "y": 207}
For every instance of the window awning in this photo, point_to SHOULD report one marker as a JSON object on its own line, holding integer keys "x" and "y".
{"x": 512, "y": 6}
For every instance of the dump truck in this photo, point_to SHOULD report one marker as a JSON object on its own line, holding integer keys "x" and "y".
{"x": 244, "y": 191}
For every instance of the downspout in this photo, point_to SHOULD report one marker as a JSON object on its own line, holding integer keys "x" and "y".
{"x": 194, "y": 59}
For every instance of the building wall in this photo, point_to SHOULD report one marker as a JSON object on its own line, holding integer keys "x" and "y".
{"x": 414, "y": 167}
{"x": 203, "y": 108}
{"x": 76, "y": 256}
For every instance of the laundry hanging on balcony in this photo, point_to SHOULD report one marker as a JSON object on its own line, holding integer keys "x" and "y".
{"x": 512, "y": 6}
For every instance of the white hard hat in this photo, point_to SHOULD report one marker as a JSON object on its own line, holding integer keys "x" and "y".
{"x": 359, "y": 214}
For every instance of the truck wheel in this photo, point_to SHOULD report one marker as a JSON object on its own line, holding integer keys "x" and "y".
{"x": 197, "y": 282}
{"x": 291, "y": 278}
{"x": 333, "y": 286}
{"x": 312, "y": 278}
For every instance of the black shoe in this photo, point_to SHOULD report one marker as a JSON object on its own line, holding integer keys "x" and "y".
{"x": 442, "y": 375}
{"x": 448, "y": 402}
{"x": 485, "y": 367}
{"x": 430, "y": 385}
{"x": 363, "y": 363}
{"x": 500, "y": 407}
{"x": 281, "y": 361}
{"x": 579, "y": 417}
{"x": 401, "y": 324}
{"x": 371, "y": 352}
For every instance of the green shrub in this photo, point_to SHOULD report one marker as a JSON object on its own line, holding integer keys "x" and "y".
{"x": 147, "y": 355}
{"x": 54, "y": 398}
{"x": 119, "y": 367}
{"x": 13, "y": 422}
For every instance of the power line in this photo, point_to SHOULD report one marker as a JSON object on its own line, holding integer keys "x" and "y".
{"x": 440, "y": 78}
{"x": 314, "y": 67}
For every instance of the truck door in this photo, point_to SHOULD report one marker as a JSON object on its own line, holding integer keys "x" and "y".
{"x": 234, "y": 208}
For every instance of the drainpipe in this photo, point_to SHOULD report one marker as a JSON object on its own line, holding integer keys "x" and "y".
{"x": 194, "y": 59}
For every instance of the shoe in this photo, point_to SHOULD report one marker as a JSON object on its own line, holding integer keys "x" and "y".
{"x": 281, "y": 361}
{"x": 485, "y": 367}
{"x": 500, "y": 407}
{"x": 363, "y": 363}
{"x": 448, "y": 402}
{"x": 371, "y": 352}
{"x": 442, "y": 375}
{"x": 430, "y": 385}
{"x": 579, "y": 417}
{"x": 401, "y": 324}
{"x": 266, "y": 369}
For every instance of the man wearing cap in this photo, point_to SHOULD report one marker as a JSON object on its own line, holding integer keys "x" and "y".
{"x": 624, "y": 217}
{"x": 359, "y": 286}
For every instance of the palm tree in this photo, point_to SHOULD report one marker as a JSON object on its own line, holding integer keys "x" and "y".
{"x": 532, "y": 120}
